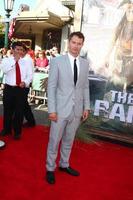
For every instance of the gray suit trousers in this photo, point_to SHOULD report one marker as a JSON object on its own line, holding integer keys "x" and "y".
{"x": 63, "y": 130}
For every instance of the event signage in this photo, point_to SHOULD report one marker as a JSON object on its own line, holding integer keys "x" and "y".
{"x": 108, "y": 29}
{"x": 116, "y": 107}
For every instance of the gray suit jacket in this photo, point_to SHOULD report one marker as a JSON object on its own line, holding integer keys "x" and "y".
{"x": 63, "y": 95}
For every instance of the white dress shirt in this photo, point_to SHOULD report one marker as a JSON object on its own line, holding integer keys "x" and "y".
{"x": 30, "y": 60}
{"x": 71, "y": 58}
{"x": 9, "y": 69}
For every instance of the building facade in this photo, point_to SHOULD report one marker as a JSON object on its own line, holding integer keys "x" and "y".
{"x": 49, "y": 24}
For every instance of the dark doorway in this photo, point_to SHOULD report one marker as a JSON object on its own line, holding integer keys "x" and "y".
{"x": 52, "y": 38}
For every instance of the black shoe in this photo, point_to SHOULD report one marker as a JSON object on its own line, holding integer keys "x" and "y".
{"x": 3, "y": 132}
{"x": 50, "y": 177}
{"x": 28, "y": 125}
{"x": 70, "y": 171}
{"x": 17, "y": 136}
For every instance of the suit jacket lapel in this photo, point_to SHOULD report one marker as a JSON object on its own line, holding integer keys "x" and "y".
{"x": 69, "y": 68}
{"x": 80, "y": 71}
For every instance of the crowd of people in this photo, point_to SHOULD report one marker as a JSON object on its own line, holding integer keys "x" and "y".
{"x": 41, "y": 58}
{"x": 41, "y": 62}
{"x": 36, "y": 61}
{"x": 68, "y": 97}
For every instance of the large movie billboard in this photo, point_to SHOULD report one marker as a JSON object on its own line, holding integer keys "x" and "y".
{"x": 108, "y": 29}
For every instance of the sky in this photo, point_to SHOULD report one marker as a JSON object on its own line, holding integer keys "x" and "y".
{"x": 16, "y": 6}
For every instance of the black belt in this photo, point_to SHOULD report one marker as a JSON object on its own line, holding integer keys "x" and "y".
{"x": 11, "y": 86}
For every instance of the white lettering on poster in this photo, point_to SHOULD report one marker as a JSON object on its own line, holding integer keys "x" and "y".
{"x": 120, "y": 106}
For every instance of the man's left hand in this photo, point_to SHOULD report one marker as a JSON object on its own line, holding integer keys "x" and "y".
{"x": 22, "y": 84}
{"x": 85, "y": 115}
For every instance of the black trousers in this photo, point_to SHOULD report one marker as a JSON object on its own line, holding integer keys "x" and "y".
{"x": 27, "y": 111}
{"x": 14, "y": 99}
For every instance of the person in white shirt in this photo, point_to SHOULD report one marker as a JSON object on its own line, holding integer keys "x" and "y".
{"x": 28, "y": 115}
{"x": 14, "y": 94}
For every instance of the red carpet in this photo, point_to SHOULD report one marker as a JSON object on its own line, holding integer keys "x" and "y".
{"x": 106, "y": 170}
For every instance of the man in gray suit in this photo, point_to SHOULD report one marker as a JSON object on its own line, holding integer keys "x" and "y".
{"x": 68, "y": 104}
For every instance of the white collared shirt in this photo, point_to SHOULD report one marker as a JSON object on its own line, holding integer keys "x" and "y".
{"x": 71, "y": 58}
{"x": 9, "y": 69}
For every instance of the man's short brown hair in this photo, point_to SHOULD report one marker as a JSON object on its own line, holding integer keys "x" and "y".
{"x": 18, "y": 43}
{"x": 24, "y": 47}
{"x": 78, "y": 34}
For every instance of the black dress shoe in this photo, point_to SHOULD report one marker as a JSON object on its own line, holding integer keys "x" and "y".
{"x": 69, "y": 170}
{"x": 17, "y": 136}
{"x": 28, "y": 125}
{"x": 50, "y": 177}
{"x": 3, "y": 132}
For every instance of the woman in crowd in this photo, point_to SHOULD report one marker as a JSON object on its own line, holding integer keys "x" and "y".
{"x": 42, "y": 61}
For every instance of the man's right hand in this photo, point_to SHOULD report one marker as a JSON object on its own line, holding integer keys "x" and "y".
{"x": 53, "y": 117}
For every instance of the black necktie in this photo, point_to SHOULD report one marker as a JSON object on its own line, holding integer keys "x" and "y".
{"x": 75, "y": 72}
